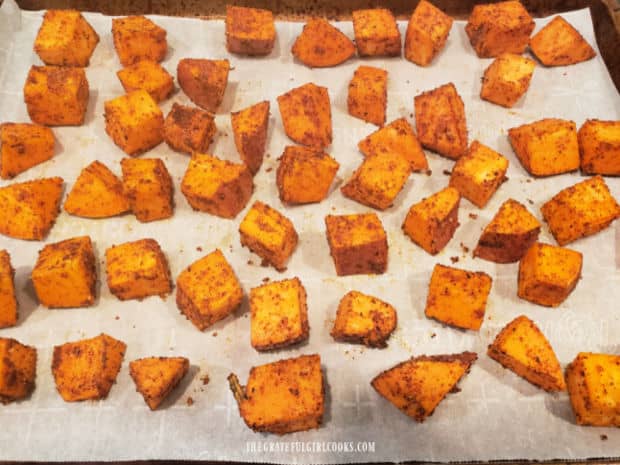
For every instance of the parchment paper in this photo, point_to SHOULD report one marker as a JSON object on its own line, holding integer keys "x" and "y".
{"x": 497, "y": 415}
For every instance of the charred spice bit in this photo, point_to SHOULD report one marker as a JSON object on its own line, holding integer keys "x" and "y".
{"x": 189, "y": 402}
{"x": 530, "y": 201}
{"x": 214, "y": 334}
{"x": 117, "y": 317}
{"x": 433, "y": 335}
{"x": 250, "y": 262}
{"x": 603, "y": 437}
{"x": 454, "y": 259}
{"x": 447, "y": 172}
{"x": 266, "y": 280}
{"x": 199, "y": 249}
{"x": 205, "y": 380}
{"x": 473, "y": 216}
{"x": 464, "y": 248}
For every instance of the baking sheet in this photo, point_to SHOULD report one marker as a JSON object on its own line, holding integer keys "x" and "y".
{"x": 497, "y": 415}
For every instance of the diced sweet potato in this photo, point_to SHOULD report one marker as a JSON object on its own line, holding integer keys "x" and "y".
{"x": 30, "y": 208}
{"x": 138, "y": 269}
{"x": 560, "y": 44}
{"x": 376, "y": 32}
{"x": 156, "y": 377}
{"x": 507, "y": 79}
{"x": 305, "y": 175}
{"x": 306, "y": 115}
{"x": 510, "y": 234}
{"x": 208, "y": 290}
{"x": 8, "y": 302}
{"x": 203, "y": 81}
{"x": 497, "y": 28}
{"x": 599, "y": 147}
{"x": 249, "y": 31}
{"x": 188, "y": 129}
{"x": 321, "y": 45}
{"x": 431, "y": 223}
{"x": 357, "y": 243}
{"x": 87, "y": 369}
{"x": 56, "y": 96}
{"x": 65, "y": 275}
{"x": 147, "y": 75}
{"x": 580, "y": 210}
{"x": 282, "y": 397}
{"x": 250, "y": 129}
{"x": 279, "y": 314}
{"x": 427, "y": 32}
{"x": 217, "y": 186}
{"x": 18, "y": 370}
{"x": 22, "y": 146}
{"x": 137, "y": 38}
{"x": 418, "y": 385}
{"x": 148, "y": 187}
{"x": 523, "y": 348}
{"x": 458, "y": 297}
{"x": 367, "y": 98}
{"x": 440, "y": 121}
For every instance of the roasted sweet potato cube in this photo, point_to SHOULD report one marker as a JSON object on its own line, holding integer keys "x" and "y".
{"x": 18, "y": 370}
{"x": 305, "y": 175}
{"x": 137, "y": 38}
{"x": 458, "y": 297}
{"x": 376, "y": 32}
{"x": 250, "y": 129}
{"x": 367, "y": 97}
{"x": 203, "y": 81}
{"x": 321, "y": 45}
{"x": 65, "y": 275}
{"x": 30, "y": 208}
{"x": 364, "y": 319}
{"x": 593, "y": 389}
{"x": 56, "y": 96}
{"x": 507, "y": 79}
{"x": 431, "y": 222}
{"x": 440, "y": 121}
{"x": 138, "y": 269}
{"x": 23, "y": 146}
{"x": 217, "y": 186}
{"x": 427, "y": 32}
{"x": 87, "y": 369}
{"x": 418, "y": 385}
{"x": 278, "y": 314}
{"x": 357, "y": 243}
{"x": 268, "y": 234}
{"x": 523, "y": 348}
{"x": 580, "y": 210}
{"x": 188, "y": 129}
{"x": 147, "y": 75}
{"x": 208, "y": 290}
{"x": 65, "y": 38}
{"x": 497, "y": 28}
{"x": 282, "y": 397}
{"x": 560, "y": 44}
{"x": 249, "y": 31}
{"x": 510, "y": 234}
{"x": 156, "y": 377}
{"x": 479, "y": 173}
{"x": 599, "y": 147}
{"x": 8, "y": 302}
{"x": 148, "y": 187}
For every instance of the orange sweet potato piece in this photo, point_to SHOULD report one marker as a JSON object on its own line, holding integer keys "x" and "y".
{"x": 203, "y": 81}
{"x": 249, "y": 31}
{"x": 427, "y": 32}
{"x": 137, "y": 38}
{"x": 321, "y": 45}
{"x": 23, "y": 146}
{"x": 250, "y": 129}
{"x": 560, "y": 44}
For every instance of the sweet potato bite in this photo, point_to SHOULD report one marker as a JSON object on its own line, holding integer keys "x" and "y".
{"x": 376, "y": 32}
{"x": 147, "y": 75}
{"x": 148, "y": 187}
{"x": 204, "y": 81}
{"x": 599, "y": 147}
{"x": 156, "y": 377}
{"x": 249, "y": 31}
{"x": 560, "y": 44}
{"x": 18, "y": 370}
{"x": 8, "y": 302}
{"x": 22, "y": 146}
{"x": 427, "y": 32}
{"x": 138, "y": 38}
{"x": 321, "y": 45}
{"x": 507, "y": 79}
{"x": 250, "y": 129}
{"x": 188, "y": 129}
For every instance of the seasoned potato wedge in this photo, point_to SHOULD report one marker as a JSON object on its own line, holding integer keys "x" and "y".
{"x": 148, "y": 187}
{"x": 22, "y": 146}
{"x": 147, "y": 75}
{"x": 427, "y": 32}
{"x": 18, "y": 370}
{"x": 560, "y": 44}
{"x": 507, "y": 79}
{"x": 188, "y": 129}
{"x": 367, "y": 99}
{"x": 599, "y": 147}
{"x": 321, "y": 45}
{"x": 249, "y": 31}
{"x": 376, "y": 32}
{"x": 137, "y": 38}
{"x": 250, "y": 129}
{"x": 156, "y": 377}
{"x": 8, "y": 302}
{"x": 204, "y": 81}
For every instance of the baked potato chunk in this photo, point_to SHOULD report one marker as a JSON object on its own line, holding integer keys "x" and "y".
{"x": 204, "y": 81}
{"x": 22, "y": 146}
{"x": 156, "y": 377}
{"x": 427, "y": 32}
{"x": 18, "y": 370}
{"x": 507, "y": 79}
{"x": 321, "y": 45}
{"x": 249, "y": 31}
{"x": 250, "y": 129}
{"x": 148, "y": 187}
{"x": 599, "y": 147}
{"x": 137, "y": 38}
{"x": 147, "y": 75}
{"x": 367, "y": 99}
{"x": 8, "y": 302}
{"x": 188, "y": 129}
{"x": 560, "y": 44}
{"x": 376, "y": 32}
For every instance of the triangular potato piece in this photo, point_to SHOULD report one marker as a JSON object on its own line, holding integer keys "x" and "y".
{"x": 418, "y": 385}
{"x": 156, "y": 377}
{"x": 203, "y": 81}
{"x": 322, "y": 45}
{"x": 524, "y": 349}
{"x": 560, "y": 44}
{"x": 97, "y": 193}
{"x": 250, "y": 129}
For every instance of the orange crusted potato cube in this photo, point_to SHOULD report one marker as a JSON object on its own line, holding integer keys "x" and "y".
{"x": 364, "y": 319}
{"x": 376, "y": 32}
{"x": 30, "y": 208}
{"x": 599, "y": 147}
{"x": 418, "y": 385}
{"x": 8, "y": 302}
{"x": 278, "y": 314}
{"x": 497, "y": 28}
{"x": 156, "y": 377}
{"x": 580, "y": 210}
{"x": 458, "y": 297}
{"x": 56, "y": 96}
{"x": 427, "y": 32}
{"x": 431, "y": 222}
{"x": 479, "y": 173}
{"x": 188, "y": 129}
{"x": 282, "y": 397}
{"x": 208, "y": 290}
{"x": 250, "y": 129}
{"x": 147, "y": 75}
{"x": 138, "y": 269}
{"x": 87, "y": 369}
{"x": 249, "y": 31}
{"x": 306, "y": 115}
{"x": 510, "y": 234}
{"x": 217, "y": 186}
{"x": 507, "y": 79}
{"x": 321, "y": 45}
{"x": 18, "y": 370}
{"x": 203, "y": 81}
{"x": 357, "y": 244}
{"x": 560, "y": 44}
{"x": 523, "y": 348}
{"x": 22, "y": 146}
{"x": 305, "y": 175}
{"x": 65, "y": 275}
{"x": 148, "y": 187}
{"x": 440, "y": 121}
{"x": 367, "y": 97}
{"x": 137, "y": 38}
